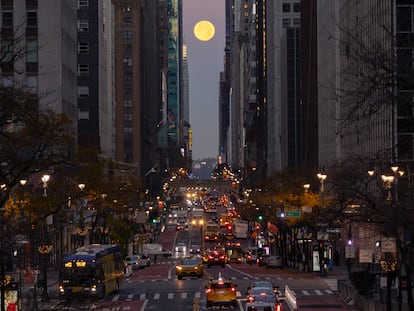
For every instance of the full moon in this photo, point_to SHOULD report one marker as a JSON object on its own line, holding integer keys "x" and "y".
{"x": 204, "y": 30}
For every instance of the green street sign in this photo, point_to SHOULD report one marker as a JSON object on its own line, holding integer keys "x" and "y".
{"x": 288, "y": 214}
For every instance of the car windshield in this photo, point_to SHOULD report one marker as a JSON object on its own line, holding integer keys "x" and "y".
{"x": 262, "y": 284}
{"x": 189, "y": 262}
{"x": 131, "y": 259}
{"x": 262, "y": 291}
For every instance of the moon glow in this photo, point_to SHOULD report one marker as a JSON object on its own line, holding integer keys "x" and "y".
{"x": 204, "y": 30}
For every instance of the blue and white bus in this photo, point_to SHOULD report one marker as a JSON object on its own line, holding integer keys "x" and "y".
{"x": 91, "y": 271}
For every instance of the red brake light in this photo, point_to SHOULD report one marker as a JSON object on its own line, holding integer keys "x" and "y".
{"x": 208, "y": 290}
{"x": 278, "y": 307}
{"x": 233, "y": 289}
{"x": 263, "y": 294}
{"x": 250, "y": 298}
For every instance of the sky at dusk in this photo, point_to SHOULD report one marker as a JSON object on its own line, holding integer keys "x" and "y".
{"x": 205, "y": 62}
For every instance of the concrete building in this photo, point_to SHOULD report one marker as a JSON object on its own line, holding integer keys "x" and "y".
{"x": 96, "y": 76}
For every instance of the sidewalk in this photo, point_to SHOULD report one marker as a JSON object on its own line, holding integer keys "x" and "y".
{"x": 28, "y": 288}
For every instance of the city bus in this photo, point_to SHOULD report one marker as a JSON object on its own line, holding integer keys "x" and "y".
{"x": 92, "y": 271}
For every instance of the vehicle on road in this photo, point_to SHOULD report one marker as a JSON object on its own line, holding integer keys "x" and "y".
{"x": 221, "y": 292}
{"x": 189, "y": 267}
{"x": 216, "y": 257}
{"x": 234, "y": 252}
{"x": 180, "y": 250}
{"x": 195, "y": 249}
{"x": 262, "y": 306}
{"x": 241, "y": 228}
{"x": 132, "y": 261}
{"x": 266, "y": 284}
{"x": 274, "y": 262}
{"x": 262, "y": 294}
{"x": 92, "y": 271}
{"x": 145, "y": 260}
{"x": 155, "y": 249}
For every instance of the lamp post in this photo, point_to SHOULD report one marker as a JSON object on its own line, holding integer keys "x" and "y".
{"x": 45, "y": 179}
{"x": 389, "y": 262}
{"x": 322, "y": 178}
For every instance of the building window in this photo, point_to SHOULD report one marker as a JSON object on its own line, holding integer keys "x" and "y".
{"x": 83, "y": 91}
{"x": 127, "y": 34}
{"x": 127, "y": 116}
{"x": 127, "y": 130}
{"x": 404, "y": 19}
{"x": 83, "y": 114}
{"x": 127, "y": 103}
{"x": 31, "y": 51}
{"x": 127, "y": 20}
{"x": 83, "y": 48}
{"x": 127, "y": 91}
{"x": 296, "y": 7}
{"x": 296, "y": 22}
{"x": 83, "y": 25}
{"x": 286, "y": 7}
{"x": 286, "y": 22}
{"x": 31, "y": 21}
{"x": 127, "y": 49}
{"x": 83, "y": 4}
{"x": 128, "y": 61}
{"x": 127, "y": 76}
{"x": 7, "y": 20}
{"x": 126, "y": 8}
{"x": 83, "y": 70}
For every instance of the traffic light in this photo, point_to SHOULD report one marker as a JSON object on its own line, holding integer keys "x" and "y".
{"x": 260, "y": 217}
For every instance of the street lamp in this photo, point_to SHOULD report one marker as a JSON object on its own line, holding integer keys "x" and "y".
{"x": 45, "y": 180}
{"x": 322, "y": 178}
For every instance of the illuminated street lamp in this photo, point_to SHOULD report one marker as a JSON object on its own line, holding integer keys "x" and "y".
{"x": 322, "y": 178}
{"x": 45, "y": 180}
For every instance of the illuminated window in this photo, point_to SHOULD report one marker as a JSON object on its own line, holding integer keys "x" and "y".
{"x": 83, "y": 4}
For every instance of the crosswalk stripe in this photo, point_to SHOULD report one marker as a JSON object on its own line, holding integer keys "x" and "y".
{"x": 115, "y": 298}
{"x": 197, "y": 295}
{"x": 183, "y": 295}
{"x": 328, "y": 291}
{"x": 130, "y": 296}
{"x": 170, "y": 295}
{"x": 318, "y": 292}
{"x": 305, "y": 292}
{"x": 156, "y": 296}
{"x": 142, "y": 297}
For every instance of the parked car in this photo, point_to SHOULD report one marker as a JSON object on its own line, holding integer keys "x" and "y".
{"x": 274, "y": 262}
{"x": 145, "y": 261}
{"x": 133, "y": 261}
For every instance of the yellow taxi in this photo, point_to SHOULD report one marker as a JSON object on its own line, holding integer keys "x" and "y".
{"x": 189, "y": 267}
{"x": 221, "y": 292}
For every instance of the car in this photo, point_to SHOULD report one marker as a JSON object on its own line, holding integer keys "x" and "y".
{"x": 262, "y": 294}
{"x": 204, "y": 256}
{"x": 180, "y": 249}
{"x": 216, "y": 257}
{"x": 274, "y": 262}
{"x": 262, "y": 260}
{"x": 189, "y": 267}
{"x": 132, "y": 261}
{"x": 194, "y": 249}
{"x": 262, "y": 306}
{"x": 264, "y": 284}
{"x": 221, "y": 292}
{"x": 145, "y": 261}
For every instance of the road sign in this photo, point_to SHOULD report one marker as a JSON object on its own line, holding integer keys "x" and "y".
{"x": 288, "y": 214}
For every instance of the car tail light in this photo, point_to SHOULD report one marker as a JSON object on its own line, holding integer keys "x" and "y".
{"x": 278, "y": 307}
{"x": 208, "y": 290}
{"x": 263, "y": 294}
{"x": 233, "y": 289}
{"x": 250, "y": 298}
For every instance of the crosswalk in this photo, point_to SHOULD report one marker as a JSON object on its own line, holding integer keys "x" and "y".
{"x": 192, "y": 295}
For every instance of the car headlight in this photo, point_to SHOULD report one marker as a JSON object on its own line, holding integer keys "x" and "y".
{"x": 93, "y": 288}
{"x": 179, "y": 268}
{"x": 61, "y": 289}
